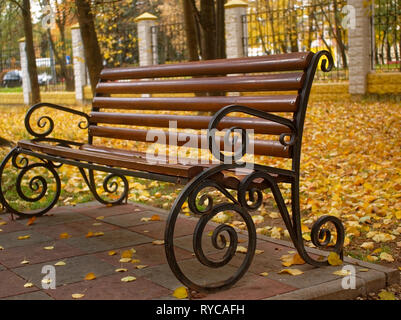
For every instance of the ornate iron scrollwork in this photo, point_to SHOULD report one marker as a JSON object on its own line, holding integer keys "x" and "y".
{"x": 37, "y": 184}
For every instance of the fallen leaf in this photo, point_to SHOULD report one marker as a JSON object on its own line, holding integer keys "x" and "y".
{"x": 112, "y": 253}
{"x": 263, "y": 274}
{"x": 25, "y": 262}
{"x": 155, "y": 217}
{"x": 24, "y": 237}
{"x": 342, "y": 273}
{"x": 127, "y": 254}
{"x": 31, "y": 221}
{"x": 1, "y": 248}
{"x": 257, "y": 219}
{"x": 371, "y": 258}
{"x": 158, "y": 242}
{"x": 49, "y": 248}
{"x": 135, "y": 261}
{"x": 368, "y": 245}
{"x": 241, "y": 249}
{"x": 289, "y": 260}
{"x": 257, "y": 251}
{"x": 145, "y": 219}
{"x": 89, "y": 234}
{"x": 334, "y": 259}
{"x": 385, "y": 295}
{"x": 77, "y": 295}
{"x": 180, "y": 293}
{"x": 141, "y": 266}
{"x": 125, "y": 260}
{"x": 64, "y": 235}
{"x": 128, "y": 279}
{"x": 293, "y": 272}
{"x": 121, "y": 270}
{"x": 98, "y": 234}
{"x": 2, "y": 223}
{"x": 100, "y": 218}
{"x": 60, "y": 263}
{"x": 386, "y": 257}
{"x": 90, "y": 276}
{"x": 28, "y": 285}
{"x": 363, "y": 270}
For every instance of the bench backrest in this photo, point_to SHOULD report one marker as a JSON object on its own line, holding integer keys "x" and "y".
{"x": 276, "y": 83}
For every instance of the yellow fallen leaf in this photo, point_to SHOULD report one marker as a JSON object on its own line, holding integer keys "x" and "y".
{"x": 334, "y": 259}
{"x": 77, "y": 295}
{"x": 100, "y": 218}
{"x": 2, "y": 223}
{"x": 49, "y": 248}
{"x": 367, "y": 245}
{"x": 257, "y": 251}
{"x": 385, "y": 295}
{"x": 64, "y": 235}
{"x": 128, "y": 279}
{"x": 263, "y": 274}
{"x": 180, "y": 293}
{"x": 125, "y": 260}
{"x": 293, "y": 272}
{"x": 257, "y": 219}
{"x": 60, "y": 263}
{"x": 158, "y": 242}
{"x": 25, "y": 262}
{"x": 1, "y": 248}
{"x": 24, "y": 237}
{"x": 98, "y": 234}
{"x": 135, "y": 261}
{"x": 90, "y": 276}
{"x": 289, "y": 260}
{"x": 145, "y": 219}
{"x": 342, "y": 273}
{"x": 241, "y": 249}
{"x": 126, "y": 254}
{"x": 121, "y": 270}
{"x": 28, "y": 285}
{"x": 386, "y": 257}
{"x": 398, "y": 215}
{"x": 112, "y": 253}
{"x": 371, "y": 258}
{"x": 363, "y": 270}
{"x": 89, "y": 234}
{"x": 141, "y": 266}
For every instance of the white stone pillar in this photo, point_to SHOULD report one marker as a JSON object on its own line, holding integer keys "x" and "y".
{"x": 145, "y": 23}
{"x": 359, "y": 52}
{"x": 26, "y": 81}
{"x": 78, "y": 63}
{"x": 234, "y": 11}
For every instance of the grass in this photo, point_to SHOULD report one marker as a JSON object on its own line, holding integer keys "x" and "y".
{"x": 11, "y": 90}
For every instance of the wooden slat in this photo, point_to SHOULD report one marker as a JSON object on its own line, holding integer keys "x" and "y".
{"x": 260, "y": 147}
{"x": 270, "y": 82}
{"x": 272, "y": 63}
{"x": 272, "y": 103}
{"x": 259, "y": 126}
{"x": 132, "y": 162}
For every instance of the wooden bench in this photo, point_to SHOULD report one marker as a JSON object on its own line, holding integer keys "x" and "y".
{"x": 268, "y": 95}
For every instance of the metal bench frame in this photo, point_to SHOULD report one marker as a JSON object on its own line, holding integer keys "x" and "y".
{"x": 248, "y": 197}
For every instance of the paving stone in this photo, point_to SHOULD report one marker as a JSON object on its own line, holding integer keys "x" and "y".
{"x": 114, "y": 239}
{"x": 112, "y": 288}
{"x": 54, "y": 218}
{"x": 75, "y": 270}
{"x": 35, "y": 253}
{"x": 77, "y": 228}
{"x": 11, "y": 225}
{"x": 131, "y": 219}
{"x": 251, "y": 287}
{"x": 195, "y": 271}
{"x": 37, "y": 295}
{"x": 10, "y": 239}
{"x": 108, "y": 211}
{"x": 12, "y": 284}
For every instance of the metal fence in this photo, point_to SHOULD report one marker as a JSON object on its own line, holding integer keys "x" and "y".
{"x": 9, "y": 62}
{"x": 169, "y": 43}
{"x": 299, "y": 26}
{"x": 386, "y": 23}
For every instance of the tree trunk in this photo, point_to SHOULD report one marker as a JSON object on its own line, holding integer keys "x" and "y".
{"x": 30, "y": 51}
{"x": 93, "y": 57}
{"x": 190, "y": 31}
{"x": 208, "y": 29}
{"x": 220, "y": 30}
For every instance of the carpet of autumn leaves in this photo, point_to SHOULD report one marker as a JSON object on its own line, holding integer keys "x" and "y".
{"x": 350, "y": 168}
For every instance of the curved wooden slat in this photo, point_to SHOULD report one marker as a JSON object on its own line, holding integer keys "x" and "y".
{"x": 270, "y": 103}
{"x": 270, "y": 82}
{"x": 273, "y": 63}
{"x": 259, "y": 126}
{"x": 260, "y": 147}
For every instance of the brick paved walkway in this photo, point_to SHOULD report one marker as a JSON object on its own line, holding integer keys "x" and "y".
{"x": 123, "y": 229}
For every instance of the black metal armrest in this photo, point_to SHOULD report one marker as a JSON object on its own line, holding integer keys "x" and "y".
{"x": 214, "y": 123}
{"x": 45, "y": 120}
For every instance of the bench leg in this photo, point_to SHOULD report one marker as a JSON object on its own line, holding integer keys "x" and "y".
{"x": 321, "y": 236}
{"x": 202, "y": 204}
{"x": 21, "y": 191}
{"x": 109, "y": 186}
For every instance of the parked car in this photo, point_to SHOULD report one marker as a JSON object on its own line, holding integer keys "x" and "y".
{"x": 44, "y": 78}
{"x": 12, "y": 78}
